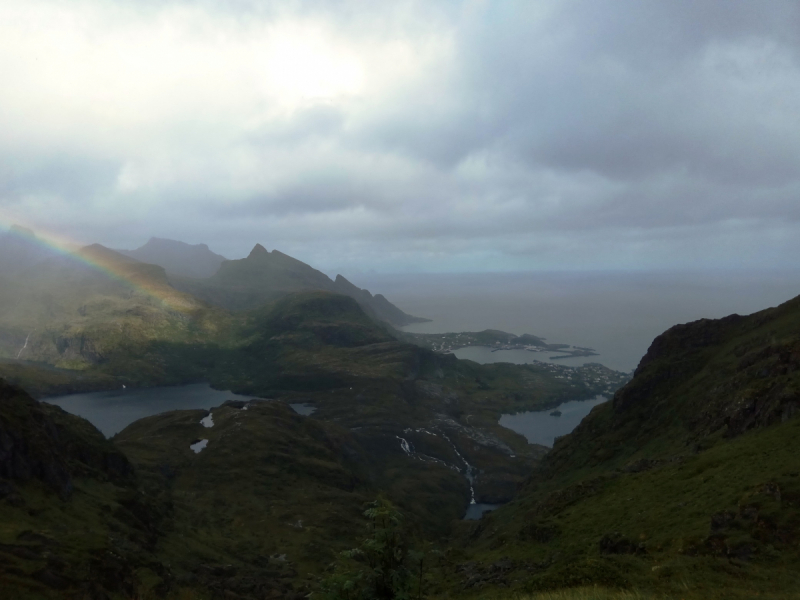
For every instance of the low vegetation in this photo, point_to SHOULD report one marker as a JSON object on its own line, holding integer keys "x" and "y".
{"x": 685, "y": 485}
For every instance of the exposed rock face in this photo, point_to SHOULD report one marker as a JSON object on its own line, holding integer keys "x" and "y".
{"x": 39, "y": 441}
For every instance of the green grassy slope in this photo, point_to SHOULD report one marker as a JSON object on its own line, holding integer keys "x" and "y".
{"x": 68, "y": 315}
{"x": 687, "y": 483}
{"x": 372, "y": 394}
{"x": 321, "y": 349}
{"x": 72, "y": 520}
{"x": 270, "y": 499}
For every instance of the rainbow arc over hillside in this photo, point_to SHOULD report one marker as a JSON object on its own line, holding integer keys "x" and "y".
{"x": 146, "y": 279}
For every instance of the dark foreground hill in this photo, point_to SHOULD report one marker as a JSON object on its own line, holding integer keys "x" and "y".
{"x": 687, "y": 483}
{"x": 271, "y": 495}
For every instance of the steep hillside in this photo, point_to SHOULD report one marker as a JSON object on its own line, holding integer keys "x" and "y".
{"x": 689, "y": 477}
{"x": 321, "y": 349}
{"x": 98, "y": 311}
{"x": 268, "y": 499}
{"x": 72, "y": 520}
{"x": 273, "y": 495}
{"x": 178, "y": 258}
{"x": 266, "y": 276}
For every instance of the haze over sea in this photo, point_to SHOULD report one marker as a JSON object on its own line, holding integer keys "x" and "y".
{"x": 616, "y": 313}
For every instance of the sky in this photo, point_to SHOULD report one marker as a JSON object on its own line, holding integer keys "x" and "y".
{"x": 410, "y": 136}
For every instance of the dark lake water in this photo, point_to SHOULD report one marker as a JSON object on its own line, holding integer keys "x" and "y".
{"x": 540, "y": 427}
{"x": 302, "y": 408}
{"x": 114, "y": 410}
{"x": 475, "y": 511}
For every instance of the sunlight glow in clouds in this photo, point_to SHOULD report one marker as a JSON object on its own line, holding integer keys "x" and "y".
{"x": 114, "y": 70}
{"x": 303, "y": 65}
{"x": 437, "y": 134}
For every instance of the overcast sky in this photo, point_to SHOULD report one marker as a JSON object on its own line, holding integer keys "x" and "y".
{"x": 410, "y": 136}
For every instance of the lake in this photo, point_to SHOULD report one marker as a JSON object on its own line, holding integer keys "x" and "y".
{"x": 114, "y": 410}
{"x": 540, "y": 427}
{"x": 475, "y": 511}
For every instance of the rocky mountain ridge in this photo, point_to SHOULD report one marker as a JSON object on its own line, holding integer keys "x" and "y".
{"x": 178, "y": 258}
{"x": 265, "y": 276}
{"x": 688, "y": 475}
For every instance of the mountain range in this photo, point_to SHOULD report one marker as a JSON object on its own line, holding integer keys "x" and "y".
{"x": 178, "y": 258}
{"x": 686, "y": 484}
{"x": 252, "y": 281}
{"x": 264, "y": 276}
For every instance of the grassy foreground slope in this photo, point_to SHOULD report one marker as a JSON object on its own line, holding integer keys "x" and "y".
{"x": 271, "y": 498}
{"x": 686, "y": 484}
{"x": 72, "y": 521}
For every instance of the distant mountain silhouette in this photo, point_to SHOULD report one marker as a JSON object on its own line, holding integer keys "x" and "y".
{"x": 266, "y": 276}
{"x": 241, "y": 284}
{"x": 178, "y": 258}
{"x": 19, "y": 250}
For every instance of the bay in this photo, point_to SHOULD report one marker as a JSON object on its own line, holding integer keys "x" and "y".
{"x": 615, "y": 312}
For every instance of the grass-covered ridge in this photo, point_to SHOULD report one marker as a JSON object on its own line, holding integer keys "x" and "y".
{"x": 689, "y": 476}
{"x": 273, "y": 496}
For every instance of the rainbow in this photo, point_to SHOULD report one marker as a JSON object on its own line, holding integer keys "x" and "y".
{"x": 144, "y": 278}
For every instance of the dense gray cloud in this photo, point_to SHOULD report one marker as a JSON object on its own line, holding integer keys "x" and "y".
{"x": 410, "y": 135}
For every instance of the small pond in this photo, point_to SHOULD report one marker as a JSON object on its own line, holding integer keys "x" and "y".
{"x": 542, "y": 427}
{"x": 114, "y": 410}
{"x": 302, "y": 408}
{"x": 475, "y": 511}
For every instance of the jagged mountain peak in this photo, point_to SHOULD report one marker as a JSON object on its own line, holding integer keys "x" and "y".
{"x": 257, "y": 251}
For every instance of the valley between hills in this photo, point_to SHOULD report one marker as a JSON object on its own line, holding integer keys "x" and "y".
{"x": 684, "y": 485}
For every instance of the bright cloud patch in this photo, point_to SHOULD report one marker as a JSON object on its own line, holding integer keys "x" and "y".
{"x": 400, "y": 136}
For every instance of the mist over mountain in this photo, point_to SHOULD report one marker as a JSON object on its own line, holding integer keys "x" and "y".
{"x": 178, "y": 258}
{"x": 264, "y": 276}
{"x": 20, "y": 250}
